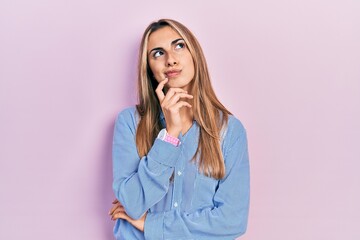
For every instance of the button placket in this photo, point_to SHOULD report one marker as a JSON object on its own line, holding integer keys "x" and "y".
{"x": 178, "y": 179}
{"x": 177, "y": 184}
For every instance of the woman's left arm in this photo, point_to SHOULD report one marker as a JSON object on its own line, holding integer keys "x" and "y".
{"x": 227, "y": 219}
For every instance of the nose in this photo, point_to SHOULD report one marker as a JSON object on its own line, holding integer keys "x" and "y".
{"x": 171, "y": 60}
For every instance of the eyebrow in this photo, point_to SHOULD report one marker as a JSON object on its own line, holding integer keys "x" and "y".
{"x": 172, "y": 43}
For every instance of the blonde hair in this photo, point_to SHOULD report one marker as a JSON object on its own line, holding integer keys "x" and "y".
{"x": 209, "y": 113}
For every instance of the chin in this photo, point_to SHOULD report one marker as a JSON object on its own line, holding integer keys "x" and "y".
{"x": 178, "y": 83}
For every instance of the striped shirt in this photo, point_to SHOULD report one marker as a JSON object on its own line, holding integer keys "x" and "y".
{"x": 188, "y": 205}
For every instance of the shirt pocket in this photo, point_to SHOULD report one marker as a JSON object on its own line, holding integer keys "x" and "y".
{"x": 204, "y": 191}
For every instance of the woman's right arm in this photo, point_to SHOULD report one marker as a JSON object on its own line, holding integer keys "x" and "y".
{"x": 139, "y": 183}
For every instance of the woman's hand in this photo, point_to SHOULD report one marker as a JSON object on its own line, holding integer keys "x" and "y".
{"x": 118, "y": 211}
{"x": 171, "y": 105}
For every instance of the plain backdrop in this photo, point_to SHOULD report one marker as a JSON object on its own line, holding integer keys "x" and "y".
{"x": 289, "y": 70}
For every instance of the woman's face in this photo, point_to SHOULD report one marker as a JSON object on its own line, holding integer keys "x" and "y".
{"x": 170, "y": 58}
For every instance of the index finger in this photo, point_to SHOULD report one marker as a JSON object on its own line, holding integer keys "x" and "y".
{"x": 159, "y": 89}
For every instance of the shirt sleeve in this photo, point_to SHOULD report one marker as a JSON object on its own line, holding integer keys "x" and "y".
{"x": 139, "y": 183}
{"x": 227, "y": 219}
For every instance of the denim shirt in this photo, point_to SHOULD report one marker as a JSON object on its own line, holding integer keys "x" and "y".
{"x": 188, "y": 205}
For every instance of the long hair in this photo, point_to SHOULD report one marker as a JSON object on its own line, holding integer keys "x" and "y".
{"x": 209, "y": 113}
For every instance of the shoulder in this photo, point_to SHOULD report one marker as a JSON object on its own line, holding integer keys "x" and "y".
{"x": 127, "y": 117}
{"x": 235, "y": 132}
{"x": 128, "y": 112}
{"x": 235, "y": 128}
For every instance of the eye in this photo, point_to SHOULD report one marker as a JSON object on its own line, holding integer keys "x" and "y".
{"x": 157, "y": 54}
{"x": 180, "y": 45}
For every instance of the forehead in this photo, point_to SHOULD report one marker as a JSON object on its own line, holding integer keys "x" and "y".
{"x": 162, "y": 37}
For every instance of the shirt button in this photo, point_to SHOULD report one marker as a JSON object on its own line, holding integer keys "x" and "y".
{"x": 175, "y": 204}
{"x": 179, "y": 173}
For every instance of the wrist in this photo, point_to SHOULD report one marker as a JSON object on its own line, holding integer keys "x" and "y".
{"x": 166, "y": 137}
{"x": 173, "y": 133}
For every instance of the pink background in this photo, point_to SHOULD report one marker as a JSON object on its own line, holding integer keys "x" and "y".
{"x": 290, "y": 70}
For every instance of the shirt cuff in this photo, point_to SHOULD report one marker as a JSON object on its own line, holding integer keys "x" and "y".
{"x": 173, "y": 140}
{"x": 153, "y": 228}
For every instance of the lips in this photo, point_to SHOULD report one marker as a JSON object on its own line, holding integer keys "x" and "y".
{"x": 172, "y": 73}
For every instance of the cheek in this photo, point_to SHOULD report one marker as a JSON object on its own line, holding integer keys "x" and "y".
{"x": 192, "y": 67}
{"x": 155, "y": 68}
{"x": 190, "y": 62}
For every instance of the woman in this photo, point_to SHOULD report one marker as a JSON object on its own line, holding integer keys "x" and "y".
{"x": 180, "y": 159}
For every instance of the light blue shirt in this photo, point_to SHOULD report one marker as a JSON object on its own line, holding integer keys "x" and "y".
{"x": 192, "y": 205}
